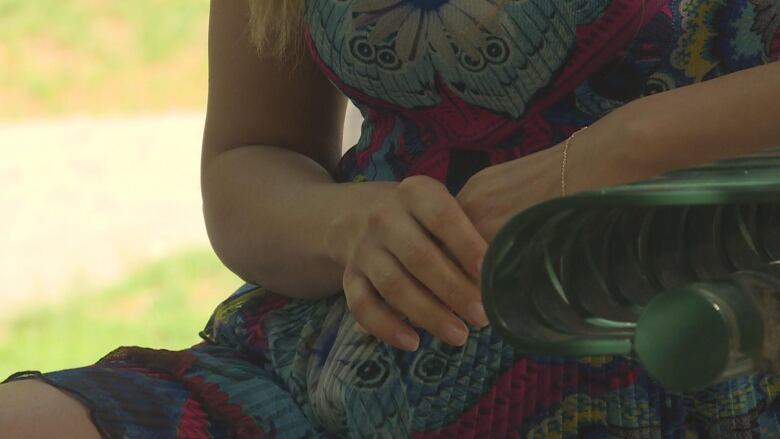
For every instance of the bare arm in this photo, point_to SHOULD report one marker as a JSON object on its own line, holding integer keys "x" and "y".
{"x": 272, "y": 137}
{"x": 724, "y": 117}
{"x": 275, "y": 216}
{"x": 728, "y": 116}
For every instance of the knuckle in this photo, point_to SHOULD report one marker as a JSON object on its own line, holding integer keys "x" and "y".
{"x": 410, "y": 186}
{"x": 407, "y": 189}
{"x": 398, "y": 314}
{"x": 390, "y": 291}
{"x": 441, "y": 218}
{"x": 470, "y": 198}
{"x": 378, "y": 218}
{"x": 468, "y": 187}
{"x": 413, "y": 181}
{"x": 358, "y": 305}
{"x": 419, "y": 255}
{"x": 468, "y": 202}
{"x": 388, "y": 283}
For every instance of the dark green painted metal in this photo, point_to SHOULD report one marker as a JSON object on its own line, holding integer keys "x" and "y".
{"x": 693, "y": 336}
{"x": 573, "y": 275}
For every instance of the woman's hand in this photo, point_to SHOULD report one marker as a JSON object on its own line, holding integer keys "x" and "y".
{"x": 415, "y": 255}
{"x": 608, "y": 153}
{"x": 494, "y": 195}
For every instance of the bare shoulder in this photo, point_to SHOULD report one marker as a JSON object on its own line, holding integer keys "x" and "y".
{"x": 259, "y": 99}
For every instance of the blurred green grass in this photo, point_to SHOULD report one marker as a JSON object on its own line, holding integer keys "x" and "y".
{"x": 95, "y": 56}
{"x": 162, "y": 305}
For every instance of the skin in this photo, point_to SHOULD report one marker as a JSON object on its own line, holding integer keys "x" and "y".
{"x": 404, "y": 252}
{"x": 34, "y": 410}
{"x": 732, "y": 115}
{"x": 278, "y": 149}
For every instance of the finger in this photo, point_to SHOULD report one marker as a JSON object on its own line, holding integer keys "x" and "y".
{"x": 428, "y": 263}
{"x": 374, "y": 316}
{"x": 398, "y": 314}
{"x": 446, "y": 220}
{"x": 402, "y": 292}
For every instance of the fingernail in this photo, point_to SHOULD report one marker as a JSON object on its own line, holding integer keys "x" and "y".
{"x": 479, "y": 266}
{"x": 476, "y": 313}
{"x": 406, "y": 341}
{"x": 456, "y": 335}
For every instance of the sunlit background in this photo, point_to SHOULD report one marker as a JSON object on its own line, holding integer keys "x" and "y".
{"x": 102, "y": 241}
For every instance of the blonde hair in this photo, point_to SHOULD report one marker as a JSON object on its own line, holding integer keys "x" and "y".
{"x": 276, "y": 26}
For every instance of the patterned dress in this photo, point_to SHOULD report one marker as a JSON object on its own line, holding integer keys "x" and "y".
{"x": 449, "y": 87}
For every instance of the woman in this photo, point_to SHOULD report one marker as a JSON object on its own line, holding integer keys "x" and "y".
{"x": 471, "y": 107}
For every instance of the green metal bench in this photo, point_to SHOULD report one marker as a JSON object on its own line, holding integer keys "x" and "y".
{"x": 677, "y": 270}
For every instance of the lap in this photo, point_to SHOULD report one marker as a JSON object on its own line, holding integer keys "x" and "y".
{"x": 293, "y": 369}
{"x": 205, "y": 391}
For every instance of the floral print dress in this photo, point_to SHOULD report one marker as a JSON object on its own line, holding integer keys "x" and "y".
{"x": 447, "y": 88}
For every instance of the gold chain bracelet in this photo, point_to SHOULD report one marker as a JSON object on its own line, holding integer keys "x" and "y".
{"x": 565, "y": 158}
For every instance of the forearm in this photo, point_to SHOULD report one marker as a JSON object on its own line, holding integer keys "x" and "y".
{"x": 728, "y": 116}
{"x": 276, "y": 218}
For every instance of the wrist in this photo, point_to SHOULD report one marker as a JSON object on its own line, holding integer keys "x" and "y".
{"x": 617, "y": 149}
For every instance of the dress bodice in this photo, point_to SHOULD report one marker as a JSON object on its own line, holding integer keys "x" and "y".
{"x": 448, "y": 87}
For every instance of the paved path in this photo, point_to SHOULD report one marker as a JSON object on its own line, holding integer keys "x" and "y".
{"x": 83, "y": 199}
